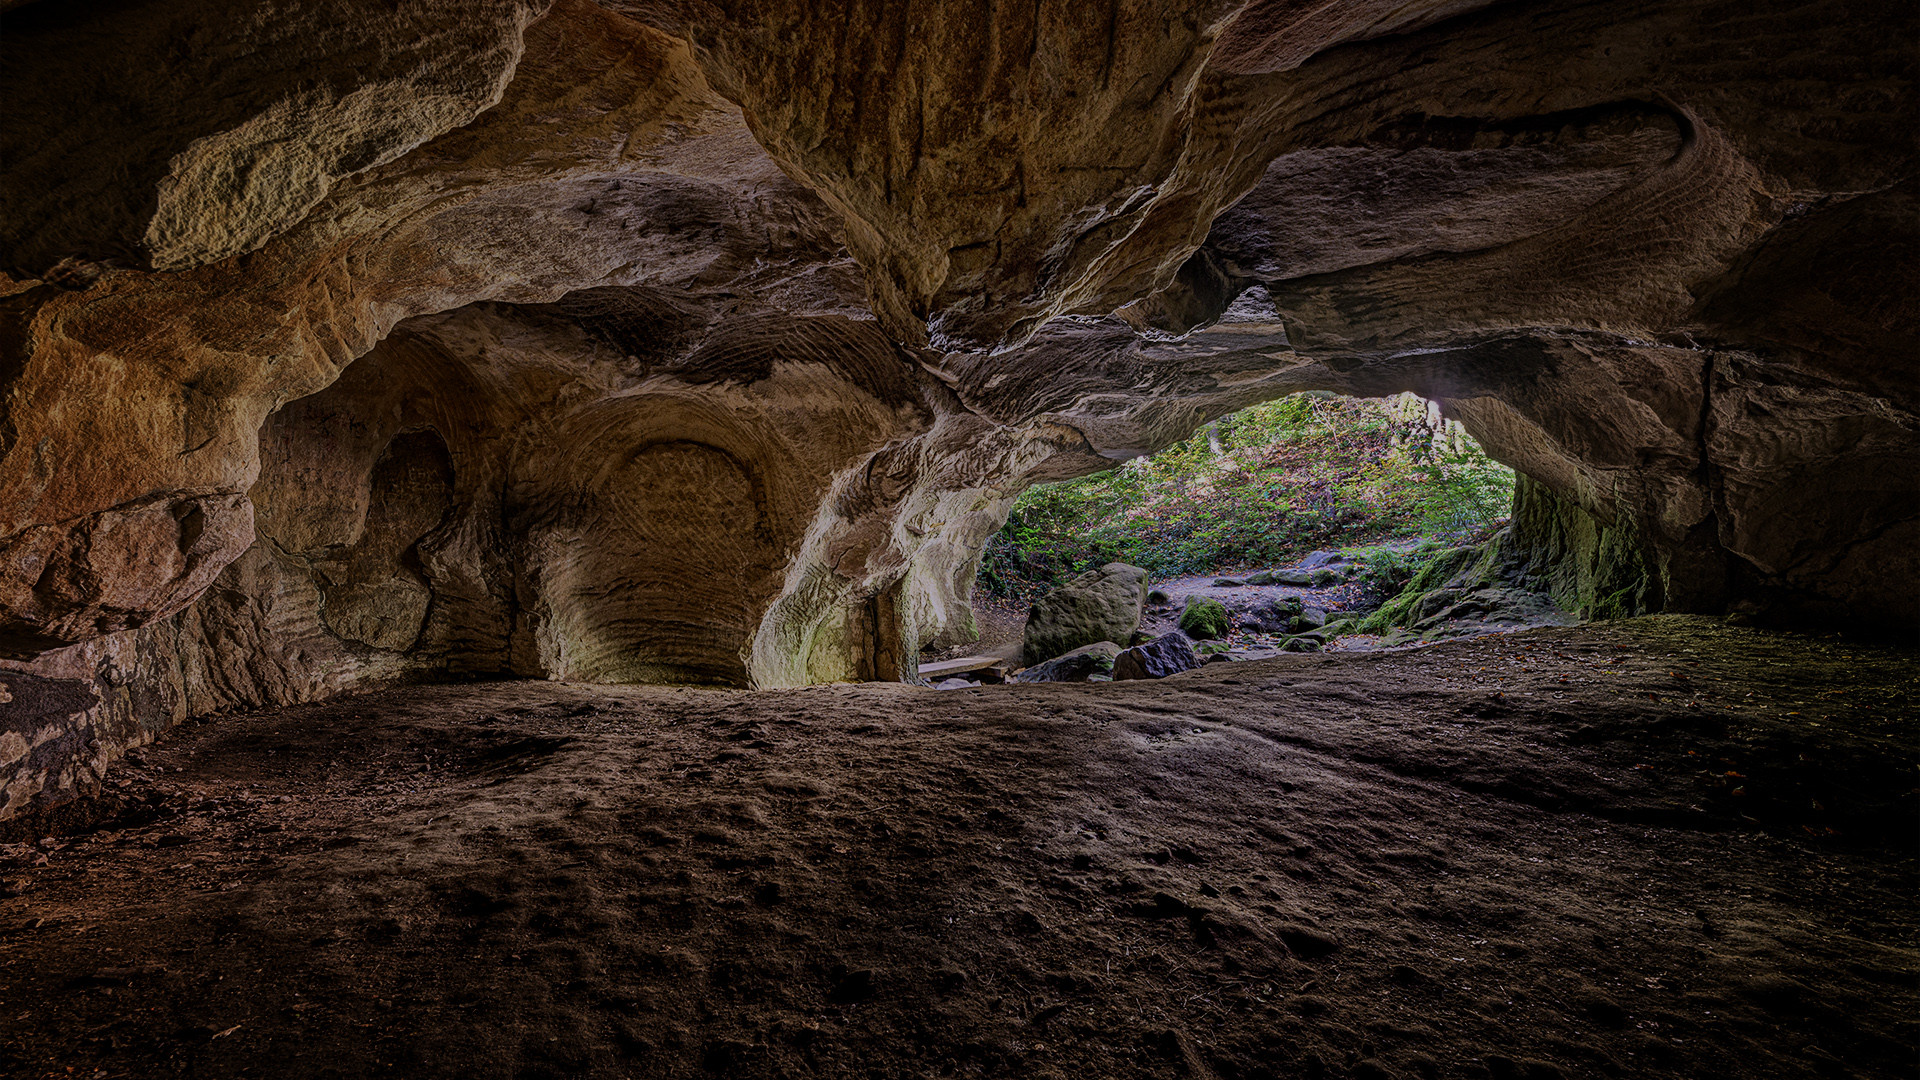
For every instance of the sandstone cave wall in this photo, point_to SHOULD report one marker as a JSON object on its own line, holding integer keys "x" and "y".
{"x": 345, "y": 343}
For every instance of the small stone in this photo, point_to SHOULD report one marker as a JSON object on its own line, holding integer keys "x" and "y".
{"x": 1307, "y": 944}
{"x": 855, "y": 986}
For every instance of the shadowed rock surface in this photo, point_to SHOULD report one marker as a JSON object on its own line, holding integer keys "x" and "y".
{"x": 344, "y": 345}
{"x": 1168, "y": 654}
{"x": 1515, "y": 856}
{"x": 1074, "y": 666}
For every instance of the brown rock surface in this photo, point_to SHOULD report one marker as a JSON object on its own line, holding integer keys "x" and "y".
{"x": 1523, "y": 851}
{"x": 647, "y": 341}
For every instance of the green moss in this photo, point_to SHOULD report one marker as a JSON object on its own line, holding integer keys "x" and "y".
{"x": 1597, "y": 569}
{"x": 1440, "y": 569}
{"x": 1204, "y": 617}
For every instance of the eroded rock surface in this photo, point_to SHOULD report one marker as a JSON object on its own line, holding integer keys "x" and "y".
{"x": 648, "y": 341}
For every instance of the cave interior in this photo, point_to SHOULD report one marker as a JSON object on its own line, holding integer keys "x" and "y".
{"x": 502, "y": 389}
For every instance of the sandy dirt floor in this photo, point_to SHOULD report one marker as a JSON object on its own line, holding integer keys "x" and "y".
{"x": 1658, "y": 848}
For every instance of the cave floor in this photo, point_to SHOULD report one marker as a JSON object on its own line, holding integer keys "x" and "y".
{"x": 1664, "y": 847}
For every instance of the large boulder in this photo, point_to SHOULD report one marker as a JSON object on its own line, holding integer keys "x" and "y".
{"x": 1271, "y": 616}
{"x": 1077, "y": 666}
{"x": 1168, "y": 654}
{"x": 1204, "y": 618}
{"x": 1099, "y": 605}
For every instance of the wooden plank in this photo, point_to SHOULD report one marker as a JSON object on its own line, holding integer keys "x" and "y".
{"x": 961, "y": 666}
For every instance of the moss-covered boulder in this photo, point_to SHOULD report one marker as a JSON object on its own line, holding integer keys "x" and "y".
{"x": 1204, "y": 618}
{"x": 1099, "y": 605}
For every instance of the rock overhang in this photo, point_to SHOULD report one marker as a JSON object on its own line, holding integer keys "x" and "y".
{"x": 642, "y": 341}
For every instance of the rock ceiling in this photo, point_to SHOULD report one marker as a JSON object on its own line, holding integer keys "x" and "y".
{"x": 707, "y": 341}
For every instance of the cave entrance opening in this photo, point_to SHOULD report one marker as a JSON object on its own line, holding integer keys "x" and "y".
{"x": 1331, "y": 501}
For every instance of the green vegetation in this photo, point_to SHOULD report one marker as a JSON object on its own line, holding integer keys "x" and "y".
{"x": 1261, "y": 488}
{"x": 1434, "y": 571}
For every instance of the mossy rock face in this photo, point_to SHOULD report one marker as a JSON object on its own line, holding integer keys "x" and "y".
{"x": 1204, "y": 617}
{"x": 1438, "y": 574}
{"x": 1555, "y": 558}
{"x": 1596, "y": 569}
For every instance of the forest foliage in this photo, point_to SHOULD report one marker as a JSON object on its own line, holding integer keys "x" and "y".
{"x": 1259, "y": 488}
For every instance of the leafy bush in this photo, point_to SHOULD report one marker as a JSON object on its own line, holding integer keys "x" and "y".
{"x": 1384, "y": 571}
{"x": 1260, "y": 487}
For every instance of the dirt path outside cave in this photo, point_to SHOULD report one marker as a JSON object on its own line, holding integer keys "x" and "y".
{"x": 1003, "y": 622}
{"x": 1659, "y": 848}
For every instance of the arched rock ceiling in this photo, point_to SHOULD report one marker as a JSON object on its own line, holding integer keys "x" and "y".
{"x": 816, "y": 288}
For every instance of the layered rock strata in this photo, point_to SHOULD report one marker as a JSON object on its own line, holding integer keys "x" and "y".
{"x": 346, "y": 343}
